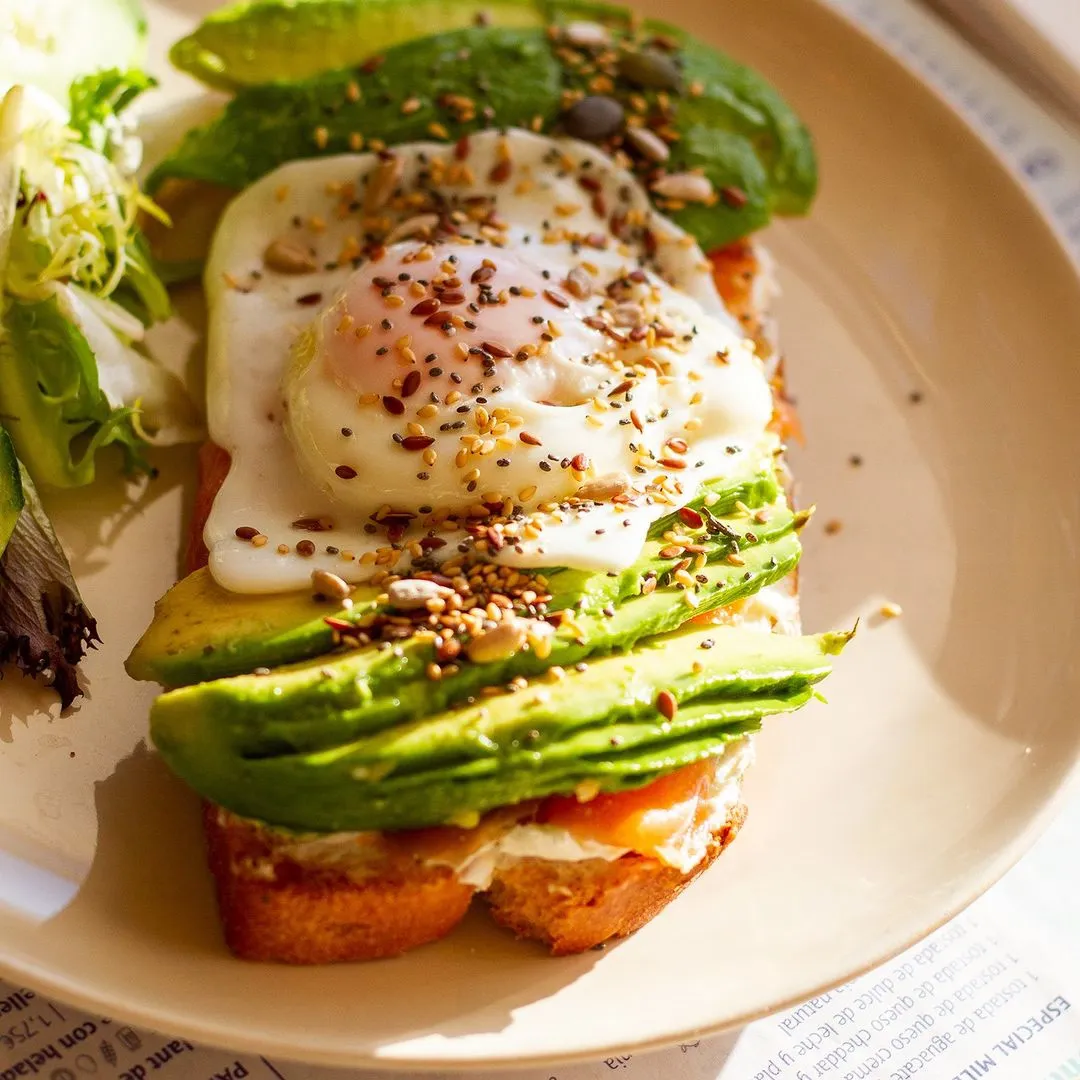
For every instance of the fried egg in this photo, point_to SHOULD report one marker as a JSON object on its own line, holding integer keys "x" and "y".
{"x": 495, "y": 346}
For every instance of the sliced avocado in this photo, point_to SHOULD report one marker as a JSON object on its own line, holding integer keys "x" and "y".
{"x": 734, "y": 127}
{"x": 201, "y": 631}
{"x": 261, "y": 41}
{"x": 267, "y": 125}
{"x": 11, "y": 489}
{"x": 600, "y": 723}
{"x": 331, "y": 700}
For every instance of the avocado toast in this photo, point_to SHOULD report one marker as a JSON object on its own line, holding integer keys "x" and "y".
{"x": 492, "y": 572}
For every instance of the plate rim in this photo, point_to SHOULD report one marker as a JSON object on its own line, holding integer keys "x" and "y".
{"x": 214, "y": 1035}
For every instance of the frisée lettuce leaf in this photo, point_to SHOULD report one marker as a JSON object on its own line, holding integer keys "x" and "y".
{"x": 79, "y": 287}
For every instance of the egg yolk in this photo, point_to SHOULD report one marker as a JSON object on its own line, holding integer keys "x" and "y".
{"x": 439, "y": 315}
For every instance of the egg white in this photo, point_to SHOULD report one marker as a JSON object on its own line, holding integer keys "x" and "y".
{"x": 281, "y": 418}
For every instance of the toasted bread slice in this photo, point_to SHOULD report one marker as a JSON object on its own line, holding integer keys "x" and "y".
{"x": 274, "y": 908}
{"x": 277, "y": 908}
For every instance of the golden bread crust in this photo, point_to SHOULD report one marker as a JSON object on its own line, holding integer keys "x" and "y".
{"x": 574, "y": 906}
{"x": 296, "y": 914}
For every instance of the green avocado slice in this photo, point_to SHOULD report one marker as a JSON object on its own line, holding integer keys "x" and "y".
{"x": 598, "y": 723}
{"x": 262, "y": 41}
{"x": 736, "y": 128}
{"x": 328, "y": 701}
{"x": 201, "y": 631}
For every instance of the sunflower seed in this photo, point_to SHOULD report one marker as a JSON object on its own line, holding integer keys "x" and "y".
{"x": 685, "y": 186}
{"x": 381, "y": 182}
{"x": 604, "y": 488}
{"x": 409, "y": 594}
{"x": 648, "y": 143}
{"x": 287, "y": 258}
{"x": 421, "y": 223}
{"x": 499, "y": 643}
{"x": 323, "y": 583}
{"x": 587, "y": 35}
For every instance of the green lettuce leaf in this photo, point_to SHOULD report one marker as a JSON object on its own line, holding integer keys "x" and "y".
{"x": 11, "y": 491}
{"x": 51, "y": 400}
{"x": 98, "y": 100}
{"x": 45, "y": 628}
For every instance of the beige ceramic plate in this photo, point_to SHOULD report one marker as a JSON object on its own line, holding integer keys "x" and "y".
{"x": 872, "y": 820}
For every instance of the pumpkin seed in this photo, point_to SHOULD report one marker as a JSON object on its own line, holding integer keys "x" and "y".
{"x": 594, "y": 118}
{"x": 650, "y": 70}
